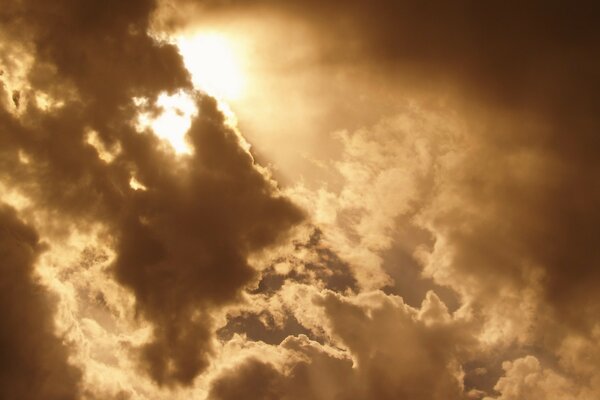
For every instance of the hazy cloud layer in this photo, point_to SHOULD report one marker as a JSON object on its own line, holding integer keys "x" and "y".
{"x": 509, "y": 200}
{"x": 447, "y": 248}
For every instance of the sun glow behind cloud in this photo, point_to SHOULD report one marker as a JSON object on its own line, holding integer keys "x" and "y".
{"x": 173, "y": 123}
{"x": 403, "y": 186}
{"x": 212, "y": 61}
{"x": 215, "y": 69}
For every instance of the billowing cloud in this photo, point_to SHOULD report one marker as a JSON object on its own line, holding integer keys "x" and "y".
{"x": 448, "y": 175}
{"x": 526, "y": 378}
{"x": 184, "y": 247}
{"x": 182, "y": 243}
{"x": 390, "y": 350}
{"x": 35, "y": 361}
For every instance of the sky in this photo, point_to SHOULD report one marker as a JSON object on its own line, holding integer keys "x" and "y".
{"x": 268, "y": 200}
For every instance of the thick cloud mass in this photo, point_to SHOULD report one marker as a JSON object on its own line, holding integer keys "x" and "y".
{"x": 477, "y": 194}
{"x": 507, "y": 198}
{"x": 182, "y": 244}
{"x": 396, "y": 351}
{"x": 34, "y": 360}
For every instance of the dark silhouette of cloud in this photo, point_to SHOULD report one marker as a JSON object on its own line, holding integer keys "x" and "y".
{"x": 34, "y": 360}
{"x": 182, "y": 244}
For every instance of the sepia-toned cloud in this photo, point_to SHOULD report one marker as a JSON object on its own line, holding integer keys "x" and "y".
{"x": 35, "y": 362}
{"x": 433, "y": 234}
{"x": 181, "y": 245}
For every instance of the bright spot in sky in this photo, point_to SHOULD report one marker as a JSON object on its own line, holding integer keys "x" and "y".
{"x": 213, "y": 64}
{"x": 174, "y": 122}
{"x": 215, "y": 70}
{"x": 136, "y": 185}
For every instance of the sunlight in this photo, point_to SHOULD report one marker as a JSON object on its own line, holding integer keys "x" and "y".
{"x": 213, "y": 64}
{"x": 174, "y": 122}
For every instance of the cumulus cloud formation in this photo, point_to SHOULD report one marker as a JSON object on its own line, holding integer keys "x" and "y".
{"x": 391, "y": 350}
{"x": 433, "y": 234}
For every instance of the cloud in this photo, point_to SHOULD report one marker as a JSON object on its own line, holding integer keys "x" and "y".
{"x": 182, "y": 244}
{"x": 34, "y": 360}
{"x": 525, "y": 378}
{"x": 380, "y": 348}
{"x": 202, "y": 224}
{"x": 485, "y": 183}
{"x": 521, "y": 81}
{"x": 387, "y": 174}
{"x": 509, "y": 53}
{"x": 505, "y": 213}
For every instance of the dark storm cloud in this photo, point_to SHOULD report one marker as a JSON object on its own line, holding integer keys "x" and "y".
{"x": 182, "y": 244}
{"x": 34, "y": 361}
